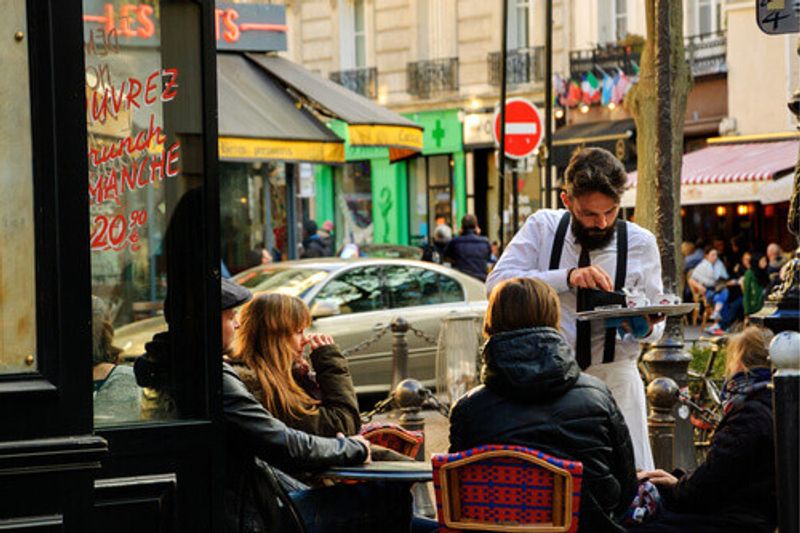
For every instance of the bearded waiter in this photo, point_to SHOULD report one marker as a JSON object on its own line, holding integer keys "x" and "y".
{"x": 585, "y": 247}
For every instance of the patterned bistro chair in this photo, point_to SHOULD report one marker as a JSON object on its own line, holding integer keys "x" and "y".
{"x": 393, "y": 437}
{"x": 506, "y": 488}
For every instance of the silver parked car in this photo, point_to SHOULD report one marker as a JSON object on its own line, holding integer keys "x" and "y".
{"x": 352, "y": 299}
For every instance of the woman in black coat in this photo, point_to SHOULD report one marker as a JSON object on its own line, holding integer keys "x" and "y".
{"x": 733, "y": 490}
{"x": 534, "y": 395}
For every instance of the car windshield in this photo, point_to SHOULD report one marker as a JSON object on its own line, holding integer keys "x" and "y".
{"x": 294, "y": 281}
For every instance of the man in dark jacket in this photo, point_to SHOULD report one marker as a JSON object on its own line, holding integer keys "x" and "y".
{"x": 534, "y": 395}
{"x": 260, "y": 498}
{"x": 314, "y": 245}
{"x": 469, "y": 252}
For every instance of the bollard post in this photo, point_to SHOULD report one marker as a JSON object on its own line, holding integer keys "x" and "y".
{"x": 668, "y": 358}
{"x": 409, "y": 396}
{"x": 784, "y": 351}
{"x": 662, "y": 393}
{"x": 399, "y": 327}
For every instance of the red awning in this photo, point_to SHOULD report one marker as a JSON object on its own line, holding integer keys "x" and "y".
{"x": 735, "y": 163}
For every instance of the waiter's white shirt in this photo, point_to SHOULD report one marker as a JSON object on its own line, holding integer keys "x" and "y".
{"x": 528, "y": 255}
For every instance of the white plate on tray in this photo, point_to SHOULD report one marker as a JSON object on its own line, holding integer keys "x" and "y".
{"x": 617, "y": 311}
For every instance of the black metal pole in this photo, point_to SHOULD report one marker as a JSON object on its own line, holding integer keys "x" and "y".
{"x": 502, "y": 155}
{"x": 515, "y": 199}
{"x": 548, "y": 104}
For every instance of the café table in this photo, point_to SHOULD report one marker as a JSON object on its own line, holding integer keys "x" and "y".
{"x": 401, "y": 471}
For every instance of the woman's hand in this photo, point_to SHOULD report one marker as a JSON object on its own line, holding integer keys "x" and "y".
{"x": 658, "y": 477}
{"x": 318, "y": 340}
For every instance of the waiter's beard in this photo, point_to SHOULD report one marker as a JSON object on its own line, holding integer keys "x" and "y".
{"x": 591, "y": 238}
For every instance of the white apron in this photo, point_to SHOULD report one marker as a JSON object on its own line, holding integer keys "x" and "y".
{"x": 622, "y": 378}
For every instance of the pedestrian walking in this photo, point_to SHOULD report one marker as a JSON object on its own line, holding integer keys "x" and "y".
{"x": 470, "y": 252}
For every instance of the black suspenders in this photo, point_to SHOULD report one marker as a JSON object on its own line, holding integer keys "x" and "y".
{"x": 619, "y": 281}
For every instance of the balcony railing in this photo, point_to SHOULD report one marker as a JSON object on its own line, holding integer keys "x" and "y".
{"x": 363, "y": 81}
{"x": 433, "y": 77}
{"x": 706, "y": 54}
{"x": 523, "y": 65}
{"x": 607, "y": 58}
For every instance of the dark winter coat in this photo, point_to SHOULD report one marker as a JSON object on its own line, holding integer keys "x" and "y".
{"x": 315, "y": 246}
{"x": 534, "y": 395}
{"x": 257, "y": 441}
{"x": 470, "y": 253}
{"x": 737, "y": 479}
{"x": 331, "y": 384}
{"x": 434, "y": 251}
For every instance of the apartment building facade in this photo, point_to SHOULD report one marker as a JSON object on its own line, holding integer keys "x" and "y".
{"x": 438, "y": 63}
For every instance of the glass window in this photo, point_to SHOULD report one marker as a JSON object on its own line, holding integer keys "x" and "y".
{"x": 409, "y": 286}
{"x": 17, "y": 261}
{"x": 355, "y": 291}
{"x": 704, "y": 16}
{"x": 144, "y": 119}
{"x": 518, "y": 23}
{"x": 418, "y": 202}
{"x": 359, "y": 34}
{"x": 449, "y": 289}
{"x": 440, "y": 198}
{"x": 353, "y": 204}
{"x": 404, "y": 286}
{"x": 621, "y": 18}
{"x": 294, "y": 281}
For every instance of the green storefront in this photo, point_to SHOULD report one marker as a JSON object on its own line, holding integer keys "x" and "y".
{"x": 371, "y": 200}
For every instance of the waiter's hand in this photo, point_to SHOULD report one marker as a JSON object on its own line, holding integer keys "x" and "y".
{"x": 590, "y": 277}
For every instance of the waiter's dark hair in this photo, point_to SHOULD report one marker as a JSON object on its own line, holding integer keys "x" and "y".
{"x": 595, "y": 170}
{"x": 521, "y": 303}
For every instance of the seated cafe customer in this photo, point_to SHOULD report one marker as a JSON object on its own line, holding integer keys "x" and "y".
{"x": 261, "y": 498}
{"x": 733, "y": 490}
{"x": 534, "y": 395}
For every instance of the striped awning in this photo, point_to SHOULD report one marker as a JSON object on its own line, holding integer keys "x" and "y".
{"x": 736, "y": 163}
{"x": 729, "y": 172}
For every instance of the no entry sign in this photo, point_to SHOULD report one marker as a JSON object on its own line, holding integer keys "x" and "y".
{"x": 523, "y": 128}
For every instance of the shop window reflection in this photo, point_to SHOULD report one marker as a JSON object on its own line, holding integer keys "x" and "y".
{"x": 353, "y": 204}
{"x": 145, "y": 141}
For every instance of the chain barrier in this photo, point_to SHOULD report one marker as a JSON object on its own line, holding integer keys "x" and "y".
{"x": 421, "y": 334}
{"x": 361, "y": 346}
{"x": 387, "y": 404}
{"x": 432, "y": 402}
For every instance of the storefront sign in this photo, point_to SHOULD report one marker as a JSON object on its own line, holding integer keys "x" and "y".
{"x": 478, "y": 129}
{"x": 242, "y": 27}
{"x": 442, "y": 131}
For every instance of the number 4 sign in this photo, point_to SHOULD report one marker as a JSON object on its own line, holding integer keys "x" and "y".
{"x": 777, "y": 16}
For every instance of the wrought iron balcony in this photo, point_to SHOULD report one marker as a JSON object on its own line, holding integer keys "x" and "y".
{"x": 523, "y": 65}
{"x": 425, "y": 79}
{"x": 706, "y": 54}
{"x": 363, "y": 81}
{"x": 606, "y": 57}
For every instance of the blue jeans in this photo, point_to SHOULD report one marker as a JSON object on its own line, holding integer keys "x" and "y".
{"x": 717, "y": 297}
{"x": 374, "y": 506}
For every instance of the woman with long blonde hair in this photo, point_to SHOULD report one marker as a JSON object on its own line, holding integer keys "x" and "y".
{"x": 269, "y": 347}
{"x": 733, "y": 490}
